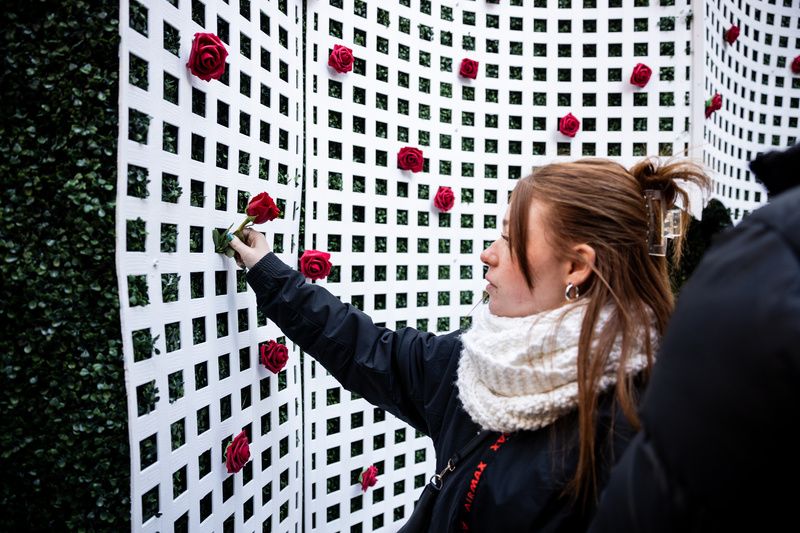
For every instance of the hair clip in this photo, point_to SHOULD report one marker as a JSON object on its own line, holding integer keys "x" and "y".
{"x": 662, "y": 224}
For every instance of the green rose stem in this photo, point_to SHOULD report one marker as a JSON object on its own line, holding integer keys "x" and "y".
{"x": 238, "y": 231}
{"x": 221, "y": 244}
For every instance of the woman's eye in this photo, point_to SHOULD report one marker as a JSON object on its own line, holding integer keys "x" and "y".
{"x": 504, "y": 237}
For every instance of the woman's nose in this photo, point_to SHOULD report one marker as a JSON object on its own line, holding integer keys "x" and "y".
{"x": 488, "y": 256}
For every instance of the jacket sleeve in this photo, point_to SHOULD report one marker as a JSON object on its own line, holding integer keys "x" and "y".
{"x": 405, "y": 372}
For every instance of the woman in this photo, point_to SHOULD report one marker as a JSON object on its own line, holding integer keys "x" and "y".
{"x": 551, "y": 368}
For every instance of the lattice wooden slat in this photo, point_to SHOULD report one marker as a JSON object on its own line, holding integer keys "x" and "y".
{"x": 207, "y": 146}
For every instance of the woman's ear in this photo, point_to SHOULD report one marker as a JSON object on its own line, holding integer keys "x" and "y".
{"x": 580, "y": 268}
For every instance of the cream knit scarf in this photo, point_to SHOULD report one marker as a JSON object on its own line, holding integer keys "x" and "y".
{"x": 521, "y": 373}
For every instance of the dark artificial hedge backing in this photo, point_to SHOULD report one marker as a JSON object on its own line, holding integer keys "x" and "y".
{"x": 63, "y": 434}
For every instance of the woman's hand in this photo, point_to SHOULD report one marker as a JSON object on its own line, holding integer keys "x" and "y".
{"x": 251, "y": 250}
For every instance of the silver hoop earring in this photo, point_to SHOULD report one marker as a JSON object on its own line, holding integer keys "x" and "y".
{"x": 571, "y": 288}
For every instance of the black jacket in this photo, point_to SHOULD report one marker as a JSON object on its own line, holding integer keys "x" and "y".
{"x": 718, "y": 450}
{"x": 412, "y": 374}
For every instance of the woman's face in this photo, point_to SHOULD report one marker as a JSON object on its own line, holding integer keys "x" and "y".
{"x": 509, "y": 295}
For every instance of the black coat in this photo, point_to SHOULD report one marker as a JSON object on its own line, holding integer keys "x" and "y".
{"x": 412, "y": 374}
{"x": 718, "y": 450}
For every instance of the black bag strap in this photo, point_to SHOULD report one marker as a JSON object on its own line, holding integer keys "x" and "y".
{"x": 437, "y": 479}
{"x": 421, "y": 517}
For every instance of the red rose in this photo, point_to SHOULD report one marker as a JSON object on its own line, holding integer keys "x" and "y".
{"x": 469, "y": 68}
{"x": 207, "y": 58}
{"x": 714, "y": 103}
{"x": 315, "y": 264}
{"x": 796, "y": 65}
{"x": 569, "y": 125}
{"x": 732, "y": 34}
{"x": 237, "y": 453}
{"x": 444, "y": 199}
{"x": 341, "y": 58}
{"x": 641, "y": 75}
{"x": 263, "y": 207}
{"x": 274, "y": 356}
{"x": 409, "y": 158}
{"x": 368, "y": 478}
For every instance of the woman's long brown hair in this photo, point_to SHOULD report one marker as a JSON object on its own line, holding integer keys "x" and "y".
{"x": 601, "y": 203}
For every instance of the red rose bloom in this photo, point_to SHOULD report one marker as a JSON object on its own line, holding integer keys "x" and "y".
{"x": 341, "y": 58}
{"x": 237, "y": 453}
{"x": 274, "y": 356}
{"x": 796, "y": 65}
{"x": 368, "y": 478}
{"x": 409, "y": 158}
{"x": 641, "y": 75}
{"x": 444, "y": 199}
{"x": 469, "y": 68}
{"x": 569, "y": 125}
{"x": 315, "y": 264}
{"x": 263, "y": 207}
{"x": 714, "y": 103}
{"x": 207, "y": 58}
{"x": 732, "y": 34}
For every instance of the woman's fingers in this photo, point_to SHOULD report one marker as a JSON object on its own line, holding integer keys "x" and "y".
{"x": 247, "y": 235}
{"x": 234, "y": 242}
{"x": 250, "y": 248}
{"x": 238, "y": 246}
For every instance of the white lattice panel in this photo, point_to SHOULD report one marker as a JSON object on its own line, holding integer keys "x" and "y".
{"x": 397, "y": 257}
{"x": 761, "y": 96}
{"x": 207, "y": 145}
{"x": 185, "y": 171}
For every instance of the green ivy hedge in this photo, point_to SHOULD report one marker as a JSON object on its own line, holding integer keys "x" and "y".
{"x": 63, "y": 434}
